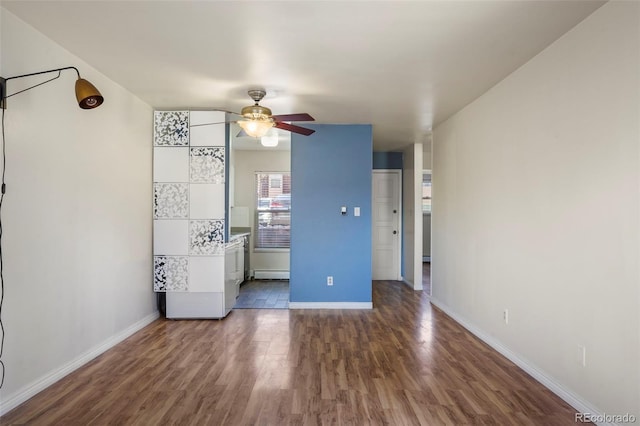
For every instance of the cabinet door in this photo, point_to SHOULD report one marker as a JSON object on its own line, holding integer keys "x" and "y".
{"x": 230, "y": 280}
{"x": 240, "y": 264}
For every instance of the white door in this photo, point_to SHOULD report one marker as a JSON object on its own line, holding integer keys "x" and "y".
{"x": 385, "y": 220}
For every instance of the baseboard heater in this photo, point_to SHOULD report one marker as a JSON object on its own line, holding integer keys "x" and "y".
{"x": 270, "y": 274}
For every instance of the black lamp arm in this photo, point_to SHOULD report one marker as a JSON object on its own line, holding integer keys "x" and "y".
{"x": 45, "y": 72}
{"x": 3, "y": 95}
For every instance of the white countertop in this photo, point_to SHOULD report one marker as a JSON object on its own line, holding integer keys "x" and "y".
{"x": 238, "y": 235}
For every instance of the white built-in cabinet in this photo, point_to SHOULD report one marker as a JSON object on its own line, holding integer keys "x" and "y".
{"x": 234, "y": 261}
{"x": 189, "y": 214}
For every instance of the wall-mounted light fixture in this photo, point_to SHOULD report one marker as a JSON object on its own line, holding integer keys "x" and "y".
{"x": 87, "y": 95}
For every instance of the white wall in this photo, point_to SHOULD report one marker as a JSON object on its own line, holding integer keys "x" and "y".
{"x": 536, "y": 209}
{"x": 246, "y": 164}
{"x": 426, "y": 154}
{"x": 412, "y": 213}
{"x": 76, "y": 216}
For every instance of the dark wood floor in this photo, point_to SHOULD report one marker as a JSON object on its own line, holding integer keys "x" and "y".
{"x": 426, "y": 277}
{"x": 402, "y": 363}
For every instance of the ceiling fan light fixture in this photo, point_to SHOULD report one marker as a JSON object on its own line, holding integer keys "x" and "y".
{"x": 257, "y": 120}
{"x": 256, "y": 128}
{"x": 270, "y": 139}
{"x": 256, "y": 112}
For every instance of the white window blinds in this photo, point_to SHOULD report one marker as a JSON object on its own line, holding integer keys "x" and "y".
{"x": 273, "y": 210}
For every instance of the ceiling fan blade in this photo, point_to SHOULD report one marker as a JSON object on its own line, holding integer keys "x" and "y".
{"x": 242, "y": 133}
{"x": 293, "y": 117}
{"x": 293, "y": 128}
{"x": 210, "y": 124}
{"x": 226, "y": 110}
{"x": 219, "y": 122}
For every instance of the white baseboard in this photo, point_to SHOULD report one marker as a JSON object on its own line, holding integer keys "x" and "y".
{"x": 268, "y": 274}
{"x": 411, "y": 286}
{"x": 569, "y": 397}
{"x": 12, "y": 401}
{"x": 330, "y": 305}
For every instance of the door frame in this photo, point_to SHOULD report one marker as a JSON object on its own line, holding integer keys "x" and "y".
{"x": 399, "y": 241}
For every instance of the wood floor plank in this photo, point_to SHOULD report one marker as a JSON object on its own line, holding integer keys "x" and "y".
{"x": 401, "y": 363}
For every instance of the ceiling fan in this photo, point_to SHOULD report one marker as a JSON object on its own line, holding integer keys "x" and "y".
{"x": 257, "y": 120}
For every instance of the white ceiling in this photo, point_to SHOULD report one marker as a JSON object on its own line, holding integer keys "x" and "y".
{"x": 401, "y": 66}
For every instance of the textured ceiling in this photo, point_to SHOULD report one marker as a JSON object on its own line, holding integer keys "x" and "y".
{"x": 401, "y": 66}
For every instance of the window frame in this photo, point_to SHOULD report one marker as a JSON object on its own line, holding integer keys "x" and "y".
{"x": 259, "y": 210}
{"x": 422, "y": 185}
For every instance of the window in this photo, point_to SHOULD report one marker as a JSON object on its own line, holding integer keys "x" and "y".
{"x": 426, "y": 193}
{"x": 273, "y": 210}
{"x": 275, "y": 182}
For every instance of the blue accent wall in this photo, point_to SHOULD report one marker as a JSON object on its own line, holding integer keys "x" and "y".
{"x": 330, "y": 169}
{"x": 387, "y": 160}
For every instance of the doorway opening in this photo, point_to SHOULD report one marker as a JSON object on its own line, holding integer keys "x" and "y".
{"x": 261, "y": 193}
{"x": 426, "y": 231}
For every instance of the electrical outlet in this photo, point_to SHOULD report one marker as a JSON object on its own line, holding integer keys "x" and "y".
{"x": 505, "y": 316}
{"x": 329, "y": 280}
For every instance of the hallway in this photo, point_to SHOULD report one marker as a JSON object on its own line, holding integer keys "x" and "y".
{"x": 426, "y": 277}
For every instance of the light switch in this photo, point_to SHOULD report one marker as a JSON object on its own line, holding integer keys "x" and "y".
{"x": 356, "y": 211}
{"x": 343, "y": 210}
